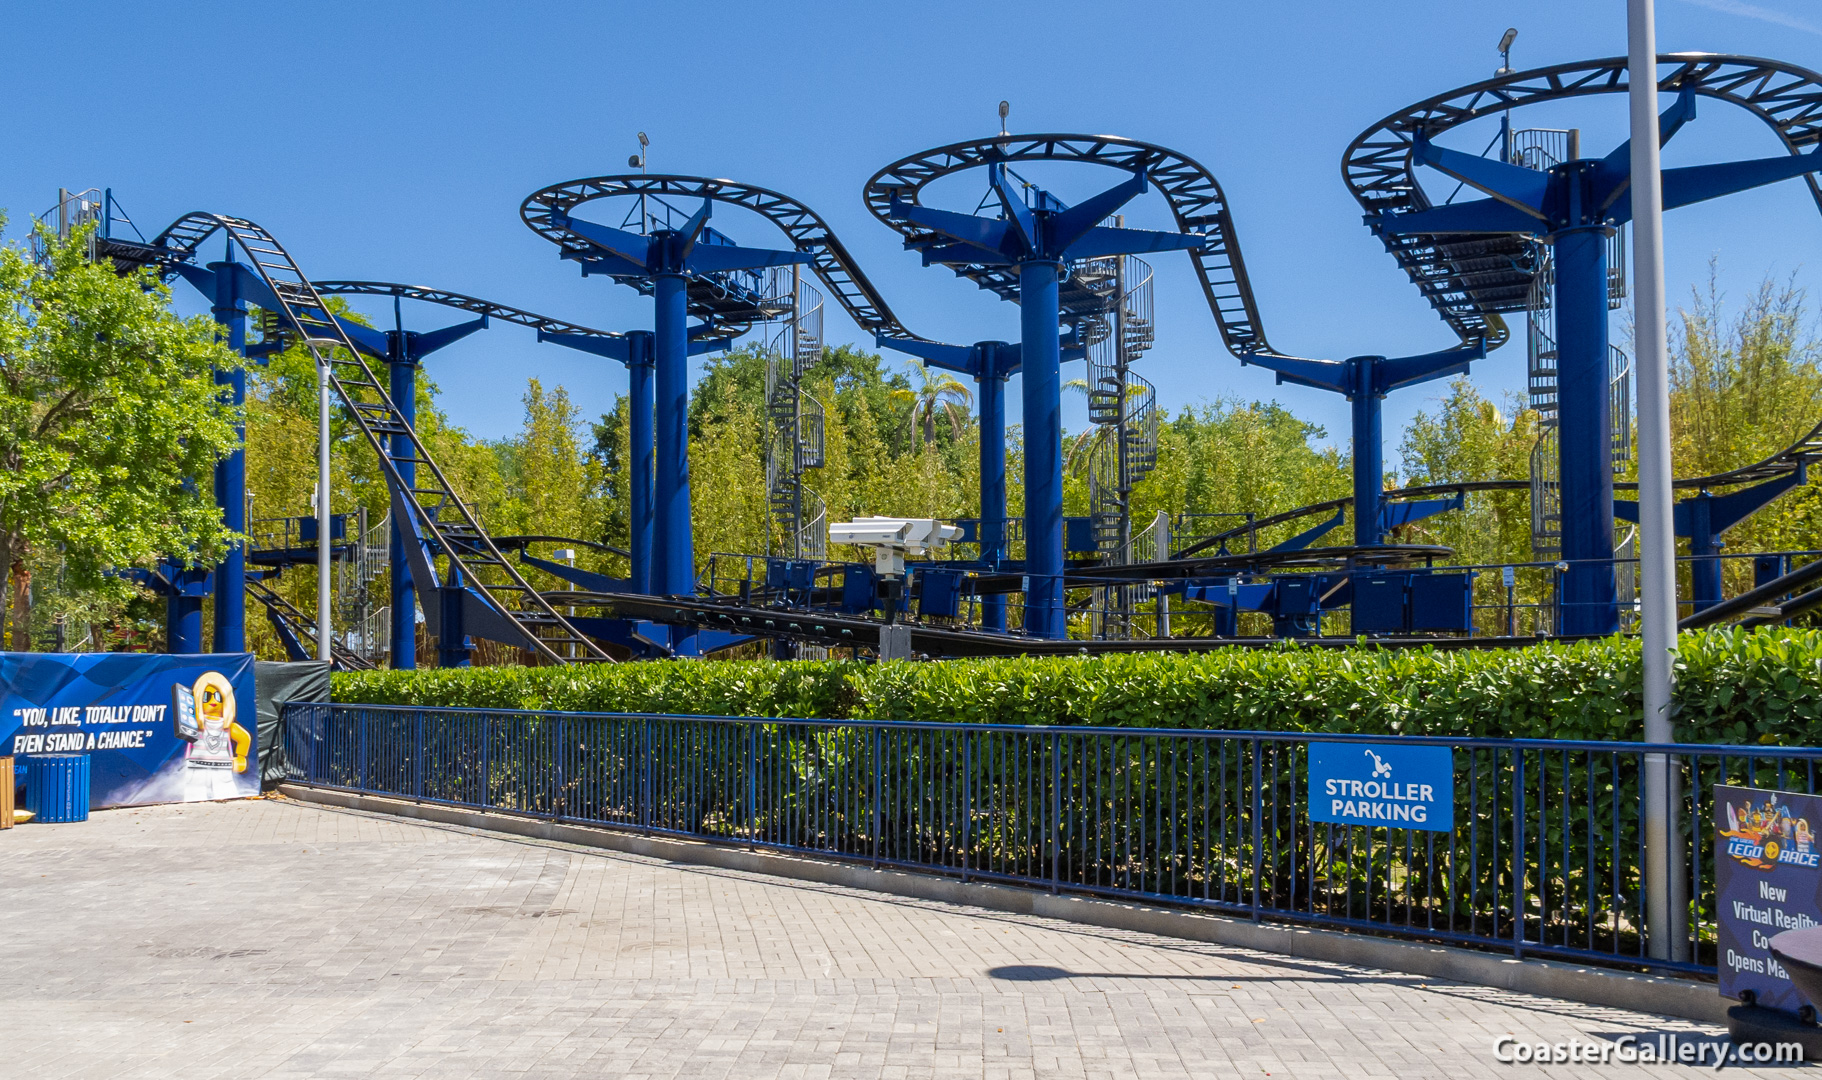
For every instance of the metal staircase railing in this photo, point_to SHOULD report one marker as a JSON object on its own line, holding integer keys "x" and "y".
{"x": 1542, "y": 149}
{"x": 1123, "y": 407}
{"x": 797, "y": 520}
{"x": 437, "y": 521}
{"x": 368, "y": 560}
{"x": 303, "y": 627}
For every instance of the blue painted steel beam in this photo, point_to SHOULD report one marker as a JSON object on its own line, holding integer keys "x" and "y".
{"x": 1575, "y": 206}
{"x": 1310, "y": 535}
{"x": 1366, "y": 380}
{"x": 668, "y": 259}
{"x": 997, "y": 360}
{"x": 1395, "y": 515}
{"x": 635, "y": 351}
{"x": 990, "y": 363}
{"x": 402, "y": 371}
{"x": 1041, "y": 386}
{"x": 404, "y": 353}
{"x": 674, "y": 562}
{"x": 1585, "y": 420}
{"x": 230, "y": 310}
{"x": 1040, "y": 239}
{"x": 641, "y": 365}
{"x": 1704, "y": 519}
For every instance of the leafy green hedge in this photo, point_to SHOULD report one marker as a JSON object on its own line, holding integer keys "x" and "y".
{"x": 1734, "y": 686}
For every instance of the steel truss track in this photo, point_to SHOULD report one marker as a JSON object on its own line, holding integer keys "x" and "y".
{"x": 446, "y": 525}
{"x": 808, "y": 232}
{"x": 503, "y": 312}
{"x": 1195, "y": 197}
{"x": 1457, "y": 273}
{"x": 850, "y": 631}
{"x": 1469, "y": 278}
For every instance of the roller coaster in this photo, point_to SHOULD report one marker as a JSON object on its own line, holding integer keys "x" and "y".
{"x": 1546, "y": 241}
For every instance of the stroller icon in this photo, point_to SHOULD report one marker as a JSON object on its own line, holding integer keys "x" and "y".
{"x": 1380, "y": 768}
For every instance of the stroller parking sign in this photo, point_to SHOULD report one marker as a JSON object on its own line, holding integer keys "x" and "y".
{"x": 1384, "y": 784}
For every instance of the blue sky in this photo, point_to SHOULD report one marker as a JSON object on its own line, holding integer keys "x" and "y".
{"x": 396, "y": 141}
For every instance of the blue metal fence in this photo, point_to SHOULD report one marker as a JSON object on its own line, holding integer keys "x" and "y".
{"x": 1543, "y": 858}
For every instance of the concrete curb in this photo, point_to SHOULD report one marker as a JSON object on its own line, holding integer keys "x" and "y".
{"x": 1544, "y": 978}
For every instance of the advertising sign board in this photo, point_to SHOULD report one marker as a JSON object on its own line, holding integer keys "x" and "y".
{"x": 1398, "y": 786}
{"x": 1768, "y": 879}
{"x": 157, "y": 728}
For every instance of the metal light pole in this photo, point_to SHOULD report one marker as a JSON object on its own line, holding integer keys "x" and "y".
{"x": 1665, "y": 910}
{"x": 325, "y": 618}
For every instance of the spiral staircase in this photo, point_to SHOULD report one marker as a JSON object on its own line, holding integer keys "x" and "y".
{"x": 1542, "y": 149}
{"x": 1123, "y": 408}
{"x": 798, "y": 521}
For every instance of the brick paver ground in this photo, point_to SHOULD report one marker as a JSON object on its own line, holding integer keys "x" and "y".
{"x": 273, "y": 939}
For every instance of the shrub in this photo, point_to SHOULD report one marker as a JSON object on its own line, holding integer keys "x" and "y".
{"x": 1734, "y": 686}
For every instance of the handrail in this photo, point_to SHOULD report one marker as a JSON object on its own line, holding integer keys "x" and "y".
{"x": 1473, "y": 741}
{"x": 300, "y": 301}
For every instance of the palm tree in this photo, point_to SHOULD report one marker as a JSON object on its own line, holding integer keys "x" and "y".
{"x": 940, "y": 392}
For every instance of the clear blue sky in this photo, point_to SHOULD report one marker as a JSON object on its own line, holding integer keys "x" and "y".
{"x": 396, "y": 141}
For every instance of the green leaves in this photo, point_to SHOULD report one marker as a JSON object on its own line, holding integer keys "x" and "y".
{"x": 110, "y": 417}
{"x": 1735, "y": 686}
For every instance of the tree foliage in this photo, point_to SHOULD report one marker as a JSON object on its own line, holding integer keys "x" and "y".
{"x": 110, "y": 425}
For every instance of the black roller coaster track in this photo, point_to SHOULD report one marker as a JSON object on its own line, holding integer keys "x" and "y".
{"x": 435, "y": 516}
{"x": 503, "y": 312}
{"x": 1195, "y": 197}
{"x": 1467, "y": 280}
{"x": 852, "y": 631}
{"x": 808, "y": 232}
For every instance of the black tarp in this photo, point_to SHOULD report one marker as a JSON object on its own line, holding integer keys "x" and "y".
{"x": 304, "y": 680}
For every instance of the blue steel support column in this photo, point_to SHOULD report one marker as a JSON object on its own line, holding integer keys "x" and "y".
{"x": 453, "y": 644}
{"x": 1584, "y": 403}
{"x": 1369, "y": 451}
{"x": 675, "y": 567}
{"x": 231, "y": 472}
{"x": 183, "y": 609}
{"x": 993, "y": 476}
{"x": 1704, "y": 572}
{"x": 639, "y": 460}
{"x": 1043, "y": 429}
{"x": 403, "y": 369}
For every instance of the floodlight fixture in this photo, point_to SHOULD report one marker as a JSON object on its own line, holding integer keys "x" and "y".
{"x": 1505, "y": 51}
{"x": 892, "y": 539}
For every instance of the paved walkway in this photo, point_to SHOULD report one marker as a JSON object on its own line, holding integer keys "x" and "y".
{"x": 273, "y": 939}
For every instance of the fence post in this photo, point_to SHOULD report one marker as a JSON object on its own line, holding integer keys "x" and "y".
{"x": 1518, "y": 853}
{"x": 562, "y": 774}
{"x": 752, "y": 785}
{"x": 486, "y": 761}
{"x": 876, "y": 786}
{"x": 1258, "y": 804}
{"x": 417, "y": 779}
{"x": 967, "y": 803}
{"x": 362, "y": 775}
{"x": 645, "y": 778}
{"x": 1056, "y": 813}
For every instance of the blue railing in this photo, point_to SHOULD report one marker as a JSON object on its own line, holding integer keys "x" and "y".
{"x": 1544, "y": 856}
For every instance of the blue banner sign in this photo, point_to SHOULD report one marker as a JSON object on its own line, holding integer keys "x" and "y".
{"x": 1767, "y": 879}
{"x": 1401, "y": 787}
{"x": 156, "y": 728}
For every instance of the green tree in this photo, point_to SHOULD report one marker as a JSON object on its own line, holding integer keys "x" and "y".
{"x": 1468, "y": 438}
{"x": 1741, "y": 389}
{"x": 110, "y": 424}
{"x": 938, "y": 392}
